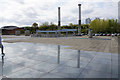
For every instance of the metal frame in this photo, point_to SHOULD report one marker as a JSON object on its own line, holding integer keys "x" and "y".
{"x": 57, "y": 31}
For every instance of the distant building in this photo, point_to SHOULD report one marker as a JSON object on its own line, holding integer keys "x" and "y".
{"x": 119, "y": 12}
{"x": 10, "y": 30}
{"x": 88, "y": 21}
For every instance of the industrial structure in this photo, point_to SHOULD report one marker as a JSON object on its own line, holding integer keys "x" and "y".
{"x": 119, "y": 12}
{"x": 59, "y": 22}
{"x": 12, "y": 30}
{"x": 56, "y": 32}
{"x": 79, "y": 21}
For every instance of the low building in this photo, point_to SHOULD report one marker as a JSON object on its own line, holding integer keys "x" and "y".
{"x": 10, "y": 30}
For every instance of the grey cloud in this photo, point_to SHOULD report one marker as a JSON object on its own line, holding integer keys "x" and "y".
{"x": 45, "y": 7}
{"x": 20, "y": 1}
{"x": 69, "y": 19}
{"x": 30, "y": 13}
{"x": 88, "y": 11}
{"x": 74, "y": 10}
{"x": 19, "y": 21}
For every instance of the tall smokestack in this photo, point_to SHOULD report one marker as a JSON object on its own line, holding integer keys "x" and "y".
{"x": 79, "y": 28}
{"x": 59, "y": 22}
{"x": 119, "y": 12}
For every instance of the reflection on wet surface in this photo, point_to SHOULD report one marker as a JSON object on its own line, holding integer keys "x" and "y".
{"x": 30, "y": 60}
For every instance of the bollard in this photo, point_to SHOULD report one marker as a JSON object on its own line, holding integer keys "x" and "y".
{"x": 67, "y": 34}
{"x": 90, "y": 33}
{"x": 78, "y": 65}
{"x": 58, "y": 54}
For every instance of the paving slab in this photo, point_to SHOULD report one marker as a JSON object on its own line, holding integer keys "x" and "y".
{"x": 73, "y": 63}
{"x": 101, "y": 60}
{"x": 115, "y": 76}
{"x": 10, "y": 67}
{"x": 24, "y": 61}
{"x": 52, "y": 75}
{"x": 54, "y": 60}
{"x": 87, "y": 73}
{"x": 27, "y": 73}
{"x": 45, "y": 67}
{"x": 105, "y": 68}
{"x": 115, "y": 69}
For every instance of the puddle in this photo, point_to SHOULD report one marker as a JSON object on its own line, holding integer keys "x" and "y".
{"x": 21, "y": 58}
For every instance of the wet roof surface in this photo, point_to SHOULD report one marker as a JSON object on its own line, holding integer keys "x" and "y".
{"x": 30, "y": 60}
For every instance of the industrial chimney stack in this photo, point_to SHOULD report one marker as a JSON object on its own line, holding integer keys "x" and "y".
{"x": 79, "y": 28}
{"x": 119, "y": 12}
{"x": 59, "y": 22}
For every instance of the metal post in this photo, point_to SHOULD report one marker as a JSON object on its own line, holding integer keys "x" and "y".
{"x": 58, "y": 54}
{"x": 47, "y": 34}
{"x": 78, "y": 65}
{"x": 59, "y": 22}
{"x": 74, "y": 33}
{"x": 79, "y": 28}
{"x": 56, "y": 34}
{"x": 66, "y": 33}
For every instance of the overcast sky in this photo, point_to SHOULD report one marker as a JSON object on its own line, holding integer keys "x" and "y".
{"x": 26, "y": 12}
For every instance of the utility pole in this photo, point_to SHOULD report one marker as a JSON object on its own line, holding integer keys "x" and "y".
{"x": 59, "y": 22}
{"x": 79, "y": 27}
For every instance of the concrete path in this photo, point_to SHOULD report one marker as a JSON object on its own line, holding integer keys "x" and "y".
{"x": 98, "y": 44}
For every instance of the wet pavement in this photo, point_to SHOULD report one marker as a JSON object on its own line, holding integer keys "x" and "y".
{"x": 30, "y": 60}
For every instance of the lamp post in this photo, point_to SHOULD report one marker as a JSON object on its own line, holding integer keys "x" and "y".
{"x": 79, "y": 21}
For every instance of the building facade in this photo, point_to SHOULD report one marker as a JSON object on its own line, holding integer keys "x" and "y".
{"x": 10, "y": 30}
